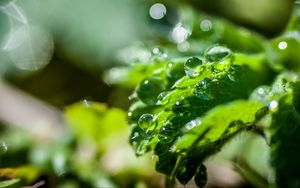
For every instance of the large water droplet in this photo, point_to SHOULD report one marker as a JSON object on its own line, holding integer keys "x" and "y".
{"x": 149, "y": 89}
{"x": 191, "y": 65}
{"x": 217, "y": 53}
{"x": 235, "y": 73}
{"x": 204, "y": 89}
{"x": 146, "y": 122}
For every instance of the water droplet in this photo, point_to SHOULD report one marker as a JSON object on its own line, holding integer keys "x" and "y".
{"x": 204, "y": 89}
{"x": 142, "y": 147}
{"x": 146, "y": 122}
{"x": 129, "y": 114}
{"x": 157, "y": 11}
{"x": 132, "y": 96}
{"x": 235, "y": 73}
{"x": 261, "y": 94}
{"x": 85, "y": 102}
{"x": 167, "y": 131}
{"x": 161, "y": 98}
{"x": 206, "y": 25}
{"x": 217, "y": 53}
{"x": 191, "y": 65}
{"x": 180, "y": 33}
{"x": 149, "y": 89}
{"x": 273, "y": 106}
{"x": 3, "y": 147}
{"x": 175, "y": 71}
{"x": 135, "y": 135}
{"x": 282, "y": 45}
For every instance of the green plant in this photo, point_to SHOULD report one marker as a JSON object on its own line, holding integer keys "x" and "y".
{"x": 189, "y": 103}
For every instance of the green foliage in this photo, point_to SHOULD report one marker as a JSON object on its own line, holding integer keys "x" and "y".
{"x": 191, "y": 103}
{"x": 186, "y": 119}
{"x": 285, "y": 130}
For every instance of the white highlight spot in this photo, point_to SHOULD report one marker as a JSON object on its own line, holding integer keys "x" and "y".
{"x": 273, "y": 105}
{"x": 282, "y": 45}
{"x": 157, "y": 11}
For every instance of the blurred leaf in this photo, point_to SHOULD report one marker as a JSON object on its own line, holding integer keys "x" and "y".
{"x": 8, "y": 183}
{"x": 94, "y": 120}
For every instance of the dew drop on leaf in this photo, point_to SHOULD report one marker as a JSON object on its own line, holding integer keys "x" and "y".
{"x": 146, "y": 121}
{"x": 203, "y": 89}
{"x": 217, "y": 53}
{"x": 149, "y": 89}
{"x": 161, "y": 99}
{"x": 175, "y": 71}
{"x": 235, "y": 73}
{"x": 142, "y": 147}
{"x": 190, "y": 66}
{"x": 261, "y": 93}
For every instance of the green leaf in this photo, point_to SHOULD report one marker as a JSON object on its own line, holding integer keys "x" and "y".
{"x": 164, "y": 118}
{"x": 7, "y": 183}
